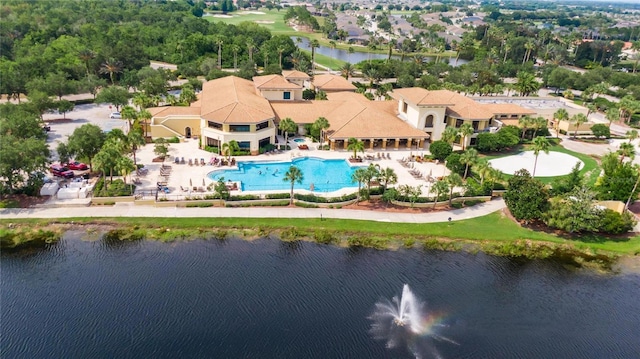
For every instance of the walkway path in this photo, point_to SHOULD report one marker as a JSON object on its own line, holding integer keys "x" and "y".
{"x": 130, "y": 210}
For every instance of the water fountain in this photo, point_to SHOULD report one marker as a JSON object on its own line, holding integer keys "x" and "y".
{"x": 404, "y": 323}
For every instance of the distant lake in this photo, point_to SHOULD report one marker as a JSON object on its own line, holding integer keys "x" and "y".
{"x": 356, "y": 57}
{"x": 90, "y": 298}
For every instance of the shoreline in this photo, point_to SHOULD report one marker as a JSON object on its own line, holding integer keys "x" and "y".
{"x": 40, "y": 233}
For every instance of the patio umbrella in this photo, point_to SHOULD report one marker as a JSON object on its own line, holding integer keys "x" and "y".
{"x": 190, "y": 183}
{"x": 203, "y": 184}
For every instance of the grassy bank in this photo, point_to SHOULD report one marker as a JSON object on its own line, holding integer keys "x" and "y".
{"x": 494, "y": 234}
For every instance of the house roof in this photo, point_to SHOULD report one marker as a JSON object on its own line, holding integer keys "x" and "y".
{"x": 332, "y": 83}
{"x": 422, "y": 97}
{"x": 457, "y": 105}
{"x": 274, "y": 82}
{"x": 295, "y": 74}
{"x": 233, "y": 100}
{"x": 350, "y": 115}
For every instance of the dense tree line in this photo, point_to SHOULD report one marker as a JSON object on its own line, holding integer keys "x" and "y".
{"x": 74, "y": 46}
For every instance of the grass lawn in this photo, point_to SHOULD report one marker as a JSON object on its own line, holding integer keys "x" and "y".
{"x": 493, "y": 228}
{"x": 591, "y": 169}
{"x": 330, "y": 62}
{"x": 279, "y": 27}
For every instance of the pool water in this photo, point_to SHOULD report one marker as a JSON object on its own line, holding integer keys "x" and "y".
{"x": 299, "y": 140}
{"x": 325, "y": 175}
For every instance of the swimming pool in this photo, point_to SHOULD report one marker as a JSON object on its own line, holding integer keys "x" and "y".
{"x": 299, "y": 140}
{"x": 326, "y": 175}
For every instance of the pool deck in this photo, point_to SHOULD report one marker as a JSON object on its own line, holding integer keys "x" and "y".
{"x": 184, "y": 177}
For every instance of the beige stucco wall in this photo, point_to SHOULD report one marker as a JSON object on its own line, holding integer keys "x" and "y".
{"x": 616, "y": 206}
{"x": 253, "y": 137}
{"x": 278, "y": 95}
{"x": 175, "y": 126}
{"x": 570, "y": 128}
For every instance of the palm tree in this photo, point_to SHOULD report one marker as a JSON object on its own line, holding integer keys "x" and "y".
{"x": 529, "y": 46}
{"x": 360, "y": 176}
{"x": 145, "y": 116}
{"x": 219, "y": 41}
{"x": 465, "y": 131}
{"x": 280, "y": 51}
{"x": 578, "y": 120}
{"x": 636, "y": 46}
{"x": 321, "y": 124}
{"x": 293, "y": 175}
{"x": 560, "y": 115}
{"x": 85, "y": 56}
{"x": 453, "y": 180}
{"x": 124, "y": 166}
{"x": 526, "y": 83}
{"x": 468, "y": 158}
{"x": 627, "y": 149}
{"x": 524, "y": 122}
{"x": 373, "y": 75}
{"x": 235, "y": 48}
{"x": 250, "y": 47}
{"x": 537, "y": 124}
{"x": 313, "y": 44}
{"x": 347, "y": 70}
{"x": 287, "y": 125}
{"x": 539, "y": 144}
{"x": 372, "y": 172}
{"x": 482, "y": 168}
{"x": 439, "y": 188}
{"x": 355, "y": 145}
{"x": 613, "y": 115}
{"x": 449, "y": 134}
{"x": 135, "y": 140}
{"x": 129, "y": 113}
{"x": 111, "y": 67}
{"x": 386, "y": 177}
{"x": 632, "y": 135}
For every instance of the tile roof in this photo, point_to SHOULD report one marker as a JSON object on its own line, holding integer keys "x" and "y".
{"x": 422, "y": 97}
{"x": 351, "y": 115}
{"x": 332, "y": 83}
{"x": 273, "y": 82}
{"x": 295, "y": 74}
{"x": 233, "y": 100}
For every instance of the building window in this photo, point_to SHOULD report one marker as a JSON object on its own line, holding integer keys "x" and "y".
{"x": 262, "y": 125}
{"x": 286, "y": 95}
{"x": 263, "y": 142}
{"x": 428, "y": 121}
{"x": 475, "y": 125}
{"x": 239, "y": 128}
{"x": 459, "y": 123}
{"x": 244, "y": 145}
{"x": 213, "y": 142}
{"x": 405, "y": 106}
{"x": 217, "y": 126}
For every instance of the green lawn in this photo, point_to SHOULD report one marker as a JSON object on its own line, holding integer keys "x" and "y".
{"x": 493, "y": 228}
{"x": 279, "y": 27}
{"x": 330, "y": 62}
{"x": 591, "y": 169}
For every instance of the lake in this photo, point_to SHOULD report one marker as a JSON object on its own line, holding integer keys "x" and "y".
{"x": 356, "y": 57}
{"x": 90, "y": 298}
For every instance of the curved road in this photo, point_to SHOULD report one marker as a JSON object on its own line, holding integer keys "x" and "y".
{"x": 130, "y": 210}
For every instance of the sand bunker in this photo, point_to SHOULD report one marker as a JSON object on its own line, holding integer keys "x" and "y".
{"x": 549, "y": 165}
{"x": 223, "y": 16}
{"x": 264, "y": 22}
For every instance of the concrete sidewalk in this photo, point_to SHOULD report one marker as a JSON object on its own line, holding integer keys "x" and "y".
{"x": 130, "y": 210}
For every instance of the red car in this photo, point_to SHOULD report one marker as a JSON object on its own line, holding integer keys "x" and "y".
{"x": 61, "y": 171}
{"x": 76, "y": 166}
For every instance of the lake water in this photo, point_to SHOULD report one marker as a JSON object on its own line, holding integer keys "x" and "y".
{"x": 356, "y": 57}
{"x": 93, "y": 298}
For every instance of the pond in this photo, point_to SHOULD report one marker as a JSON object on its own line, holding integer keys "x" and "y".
{"x": 356, "y": 57}
{"x": 88, "y": 297}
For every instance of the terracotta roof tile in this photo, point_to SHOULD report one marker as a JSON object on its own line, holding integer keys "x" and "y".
{"x": 422, "y": 97}
{"x": 275, "y": 82}
{"x": 332, "y": 83}
{"x": 233, "y": 100}
{"x": 162, "y": 112}
{"x": 295, "y": 74}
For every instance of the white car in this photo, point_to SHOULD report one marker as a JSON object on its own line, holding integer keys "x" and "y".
{"x": 115, "y": 115}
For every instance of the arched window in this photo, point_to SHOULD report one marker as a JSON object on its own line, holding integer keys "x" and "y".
{"x": 428, "y": 121}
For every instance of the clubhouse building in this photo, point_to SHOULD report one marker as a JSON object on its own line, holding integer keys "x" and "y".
{"x": 232, "y": 108}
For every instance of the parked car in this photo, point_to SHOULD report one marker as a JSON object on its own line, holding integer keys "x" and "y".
{"x": 76, "y": 166}
{"x": 61, "y": 171}
{"x": 115, "y": 115}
